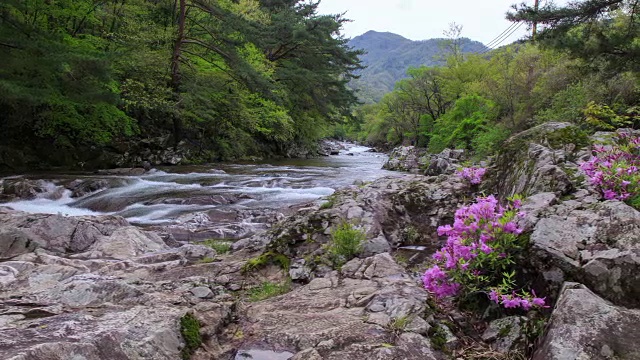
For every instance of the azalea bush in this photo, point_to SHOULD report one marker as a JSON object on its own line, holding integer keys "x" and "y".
{"x": 479, "y": 255}
{"x": 472, "y": 174}
{"x": 614, "y": 170}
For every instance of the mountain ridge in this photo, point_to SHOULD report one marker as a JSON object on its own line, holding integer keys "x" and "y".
{"x": 388, "y": 57}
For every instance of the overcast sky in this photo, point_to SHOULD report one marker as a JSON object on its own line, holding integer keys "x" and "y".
{"x": 424, "y": 19}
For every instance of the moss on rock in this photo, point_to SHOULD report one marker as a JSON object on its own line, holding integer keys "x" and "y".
{"x": 190, "y": 331}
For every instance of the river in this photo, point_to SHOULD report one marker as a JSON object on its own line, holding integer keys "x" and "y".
{"x": 220, "y": 200}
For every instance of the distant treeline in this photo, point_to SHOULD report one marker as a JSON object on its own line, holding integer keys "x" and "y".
{"x": 235, "y": 78}
{"x": 584, "y": 68}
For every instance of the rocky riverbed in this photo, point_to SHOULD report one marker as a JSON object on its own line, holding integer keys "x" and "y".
{"x": 109, "y": 286}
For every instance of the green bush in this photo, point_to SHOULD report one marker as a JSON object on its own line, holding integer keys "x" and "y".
{"x": 488, "y": 142}
{"x": 346, "y": 243}
{"x": 190, "y": 330}
{"x": 459, "y": 127}
{"x": 602, "y": 117}
{"x": 220, "y": 246}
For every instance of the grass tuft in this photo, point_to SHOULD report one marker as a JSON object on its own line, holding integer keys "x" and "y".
{"x": 265, "y": 259}
{"x": 205, "y": 260}
{"x": 220, "y": 246}
{"x": 346, "y": 243}
{"x": 268, "y": 290}
{"x": 190, "y": 330}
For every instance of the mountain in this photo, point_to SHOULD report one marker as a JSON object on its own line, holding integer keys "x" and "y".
{"x": 388, "y": 56}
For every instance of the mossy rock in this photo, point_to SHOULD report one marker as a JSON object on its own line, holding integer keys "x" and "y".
{"x": 267, "y": 258}
{"x": 513, "y": 170}
{"x": 290, "y": 234}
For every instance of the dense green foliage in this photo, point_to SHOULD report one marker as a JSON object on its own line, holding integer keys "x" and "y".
{"x": 346, "y": 243}
{"x": 388, "y": 56}
{"x": 231, "y": 78}
{"x": 190, "y": 331}
{"x": 602, "y": 32}
{"x": 475, "y": 102}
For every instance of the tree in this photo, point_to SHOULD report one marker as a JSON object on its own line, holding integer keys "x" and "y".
{"x": 602, "y": 32}
{"x": 230, "y": 78}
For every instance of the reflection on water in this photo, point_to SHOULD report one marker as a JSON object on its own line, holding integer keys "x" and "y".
{"x": 162, "y": 195}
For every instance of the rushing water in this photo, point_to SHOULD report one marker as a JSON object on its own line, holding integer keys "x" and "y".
{"x": 162, "y": 196}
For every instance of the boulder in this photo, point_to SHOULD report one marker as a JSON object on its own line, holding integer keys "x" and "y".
{"x": 506, "y": 334}
{"x": 140, "y": 332}
{"x": 24, "y": 189}
{"x": 406, "y": 158}
{"x": 82, "y": 187}
{"x": 595, "y": 243}
{"x": 96, "y": 287}
{"x": 438, "y": 166}
{"x": 391, "y": 212}
{"x": 335, "y": 315}
{"x": 418, "y": 160}
{"x": 585, "y": 326}
{"x": 536, "y": 161}
{"x": 21, "y": 233}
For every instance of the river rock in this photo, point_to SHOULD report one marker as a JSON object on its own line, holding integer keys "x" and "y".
{"x": 82, "y": 187}
{"x": 21, "y": 232}
{"x": 330, "y": 314}
{"x": 593, "y": 242}
{"x": 330, "y": 147}
{"x": 202, "y": 292}
{"x": 19, "y": 188}
{"x": 418, "y": 160}
{"x": 585, "y": 326}
{"x": 506, "y": 334}
{"x": 383, "y": 211}
{"x": 123, "y": 171}
{"x": 407, "y": 158}
{"x": 99, "y": 288}
{"x": 135, "y": 333}
{"x": 299, "y": 271}
{"x": 536, "y": 161}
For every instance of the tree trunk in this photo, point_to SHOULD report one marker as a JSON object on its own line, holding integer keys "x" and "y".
{"x": 176, "y": 76}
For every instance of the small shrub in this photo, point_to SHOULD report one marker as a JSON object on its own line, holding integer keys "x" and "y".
{"x": 412, "y": 235}
{"x": 205, "y": 260}
{"x": 487, "y": 143}
{"x": 265, "y": 259}
{"x": 190, "y": 330}
{"x": 478, "y": 256}
{"x": 346, "y": 243}
{"x": 561, "y": 138}
{"x": 331, "y": 201}
{"x": 220, "y": 246}
{"x": 438, "y": 337}
{"x": 602, "y": 117}
{"x": 615, "y": 170}
{"x": 398, "y": 325}
{"x": 268, "y": 290}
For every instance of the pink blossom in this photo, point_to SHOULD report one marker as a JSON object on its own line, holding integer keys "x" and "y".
{"x": 473, "y": 175}
{"x": 478, "y": 230}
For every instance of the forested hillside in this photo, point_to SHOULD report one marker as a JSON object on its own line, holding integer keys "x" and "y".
{"x": 583, "y": 68}
{"x": 388, "y": 56}
{"x": 81, "y": 80}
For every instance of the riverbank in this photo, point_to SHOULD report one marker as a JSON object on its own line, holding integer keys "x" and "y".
{"x": 98, "y": 287}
